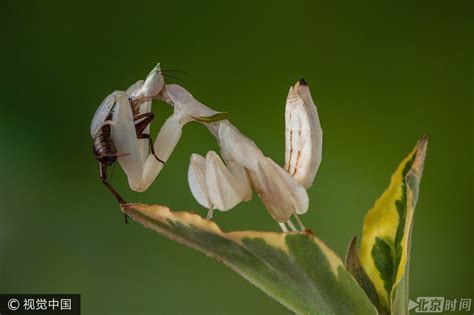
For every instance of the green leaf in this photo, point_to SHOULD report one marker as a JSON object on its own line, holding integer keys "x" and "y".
{"x": 385, "y": 245}
{"x": 296, "y": 269}
{"x": 354, "y": 266}
{"x": 213, "y": 118}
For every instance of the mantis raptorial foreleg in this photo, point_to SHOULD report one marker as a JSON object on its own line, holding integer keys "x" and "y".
{"x": 186, "y": 109}
{"x": 165, "y": 142}
{"x": 128, "y": 138}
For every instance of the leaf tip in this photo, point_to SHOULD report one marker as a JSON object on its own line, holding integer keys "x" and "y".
{"x": 422, "y": 143}
{"x": 421, "y": 148}
{"x": 351, "y": 250}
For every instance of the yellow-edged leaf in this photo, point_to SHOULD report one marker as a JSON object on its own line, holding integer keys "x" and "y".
{"x": 385, "y": 243}
{"x": 296, "y": 269}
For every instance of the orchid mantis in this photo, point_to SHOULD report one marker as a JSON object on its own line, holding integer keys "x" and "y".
{"x": 214, "y": 182}
{"x": 120, "y": 129}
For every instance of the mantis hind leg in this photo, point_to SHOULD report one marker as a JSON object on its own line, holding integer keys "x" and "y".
{"x": 140, "y": 128}
{"x": 103, "y": 178}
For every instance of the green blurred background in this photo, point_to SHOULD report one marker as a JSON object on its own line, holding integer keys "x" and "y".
{"x": 383, "y": 73}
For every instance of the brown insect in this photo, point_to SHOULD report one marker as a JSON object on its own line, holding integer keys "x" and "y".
{"x": 104, "y": 148}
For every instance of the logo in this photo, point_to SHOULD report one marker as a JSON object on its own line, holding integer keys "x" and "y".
{"x": 13, "y": 304}
{"x": 67, "y": 304}
{"x": 439, "y": 304}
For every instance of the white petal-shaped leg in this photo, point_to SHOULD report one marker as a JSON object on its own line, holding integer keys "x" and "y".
{"x": 223, "y": 189}
{"x": 165, "y": 142}
{"x": 242, "y": 178}
{"x": 281, "y": 194}
{"x": 197, "y": 180}
{"x": 214, "y": 186}
{"x": 125, "y": 139}
{"x": 237, "y": 147}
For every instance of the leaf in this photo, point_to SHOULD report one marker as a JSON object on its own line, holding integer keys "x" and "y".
{"x": 385, "y": 245}
{"x": 212, "y": 118}
{"x": 296, "y": 269}
{"x": 354, "y": 266}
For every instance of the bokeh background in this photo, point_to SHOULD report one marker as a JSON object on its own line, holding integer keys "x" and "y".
{"x": 383, "y": 73}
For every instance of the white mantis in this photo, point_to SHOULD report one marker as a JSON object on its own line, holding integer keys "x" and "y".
{"x": 120, "y": 129}
{"x": 215, "y": 183}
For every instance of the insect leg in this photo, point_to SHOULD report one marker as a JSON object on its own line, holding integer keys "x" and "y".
{"x": 103, "y": 178}
{"x": 140, "y": 129}
{"x": 164, "y": 144}
{"x": 150, "y": 141}
{"x": 141, "y": 126}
